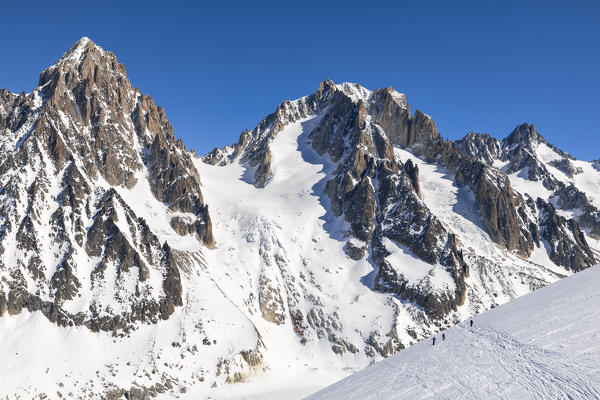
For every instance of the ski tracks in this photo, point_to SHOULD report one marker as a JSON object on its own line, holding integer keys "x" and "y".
{"x": 543, "y": 374}
{"x": 472, "y": 363}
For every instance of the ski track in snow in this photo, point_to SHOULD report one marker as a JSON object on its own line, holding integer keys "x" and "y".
{"x": 540, "y": 346}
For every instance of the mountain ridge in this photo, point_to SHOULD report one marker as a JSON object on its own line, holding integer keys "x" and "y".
{"x": 342, "y": 229}
{"x": 422, "y": 133}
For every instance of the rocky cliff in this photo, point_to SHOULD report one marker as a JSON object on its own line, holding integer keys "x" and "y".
{"x": 66, "y": 146}
{"x": 544, "y": 172}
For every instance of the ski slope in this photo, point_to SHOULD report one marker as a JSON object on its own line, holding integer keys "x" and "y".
{"x": 545, "y": 345}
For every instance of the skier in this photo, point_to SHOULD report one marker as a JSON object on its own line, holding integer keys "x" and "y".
{"x": 471, "y": 323}
{"x": 434, "y": 340}
{"x": 443, "y": 337}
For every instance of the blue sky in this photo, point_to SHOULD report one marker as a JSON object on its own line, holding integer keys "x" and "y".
{"x": 218, "y": 69}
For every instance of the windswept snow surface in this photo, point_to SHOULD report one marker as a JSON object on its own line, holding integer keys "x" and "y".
{"x": 545, "y": 345}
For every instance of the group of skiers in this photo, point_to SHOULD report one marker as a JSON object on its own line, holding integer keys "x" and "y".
{"x": 444, "y": 335}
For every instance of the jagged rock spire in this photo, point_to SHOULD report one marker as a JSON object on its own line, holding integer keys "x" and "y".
{"x": 525, "y": 134}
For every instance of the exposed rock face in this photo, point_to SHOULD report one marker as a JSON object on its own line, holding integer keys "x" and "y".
{"x": 405, "y": 220}
{"x": 527, "y": 154}
{"x": 497, "y": 202}
{"x": 413, "y": 173}
{"x": 253, "y": 147}
{"x": 391, "y": 111}
{"x": 499, "y": 206}
{"x": 87, "y": 127}
{"x": 566, "y": 242}
{"x": 380, "y": 197}
{"x": 271, "y": 303}
{"x": 516, "y": 151}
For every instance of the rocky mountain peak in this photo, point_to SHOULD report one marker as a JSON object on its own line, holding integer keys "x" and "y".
{"x": 72, "y": 154}
{"x": 80, "y": 50}
{"x": 479, "y": 136}
{"x": 83, "y": 60}
{"x": 354, "y": 91}
{"x": 389, "y": 94}
{"x": 525, "y": 135}
{"x": 326, "y": 86}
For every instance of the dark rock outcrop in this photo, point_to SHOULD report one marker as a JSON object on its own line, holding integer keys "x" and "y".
{"x": 566, "y": 242}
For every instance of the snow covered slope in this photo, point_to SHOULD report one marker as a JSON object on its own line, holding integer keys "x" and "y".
{"x": 342, "y": 229}
{"x": 545, "y": 345}
{"x": 104, "y": 289}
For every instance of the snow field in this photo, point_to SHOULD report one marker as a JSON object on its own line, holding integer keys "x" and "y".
{"x": 544, "y": 345}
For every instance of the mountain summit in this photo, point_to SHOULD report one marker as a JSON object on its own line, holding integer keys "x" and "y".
{"x": 78, "y": 241}
{"x": 342, "y": 228}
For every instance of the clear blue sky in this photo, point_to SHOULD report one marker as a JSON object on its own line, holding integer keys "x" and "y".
{"x": 217, "y": 69}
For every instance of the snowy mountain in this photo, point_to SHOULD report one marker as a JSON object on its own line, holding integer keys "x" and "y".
{"x": 342, "y": 229}
{"x": 541, "y": 346}
{"x": 540, "y": 170}
{"x": 78, "y": 154}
